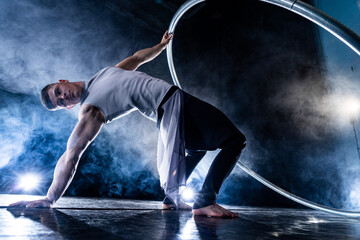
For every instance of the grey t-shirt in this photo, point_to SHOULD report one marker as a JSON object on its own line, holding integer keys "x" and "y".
{"x": 117, "y": 92}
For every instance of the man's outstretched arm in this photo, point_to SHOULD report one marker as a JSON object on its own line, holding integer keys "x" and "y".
{"x": 90, "y": 122}
{"x": 133, "y": 62}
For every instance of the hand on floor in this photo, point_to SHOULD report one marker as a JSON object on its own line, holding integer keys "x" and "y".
{"x": 42, "y": 203}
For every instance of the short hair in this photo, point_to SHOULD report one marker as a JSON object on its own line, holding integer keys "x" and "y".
{"x": 45, "y": 98}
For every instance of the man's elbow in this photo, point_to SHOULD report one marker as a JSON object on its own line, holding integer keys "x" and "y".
{"x": 138, "y": 58}
{"x": 73, "y": 156}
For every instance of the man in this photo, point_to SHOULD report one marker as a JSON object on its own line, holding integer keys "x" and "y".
{"x": 186, "y": 124}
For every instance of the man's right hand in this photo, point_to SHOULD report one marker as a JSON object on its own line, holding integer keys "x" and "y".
{"x": 42, "y": 203}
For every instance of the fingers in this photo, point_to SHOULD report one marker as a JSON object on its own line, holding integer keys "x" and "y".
{"x": 19, "y": 203}
{"x": 167, "y": 37}
{"x": 31, "y": 204}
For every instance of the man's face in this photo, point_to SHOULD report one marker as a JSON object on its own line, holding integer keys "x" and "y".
{"x": 65, "y": 94}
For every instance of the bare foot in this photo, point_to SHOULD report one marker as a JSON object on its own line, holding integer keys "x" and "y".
{"x": 182, "y": 206}
{"x": 214, "y": 210}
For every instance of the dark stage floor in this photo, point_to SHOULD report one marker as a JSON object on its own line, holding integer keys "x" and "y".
{"x": 88, "y": 218}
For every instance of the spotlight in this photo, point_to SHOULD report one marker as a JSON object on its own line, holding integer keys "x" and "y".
{"x": 352, "y": 106}
{"x": 29, "y": 181}
{"x": 187, "y": 194}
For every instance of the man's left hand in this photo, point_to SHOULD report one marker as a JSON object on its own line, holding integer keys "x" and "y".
{"x": 166, "y": 39}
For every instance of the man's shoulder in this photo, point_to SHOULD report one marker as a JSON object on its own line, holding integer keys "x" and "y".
{"x": 98, "y": 73}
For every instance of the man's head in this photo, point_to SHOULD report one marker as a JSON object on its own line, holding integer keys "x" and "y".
{"x": 61, "y": 95}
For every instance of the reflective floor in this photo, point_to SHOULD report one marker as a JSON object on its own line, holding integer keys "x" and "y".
{"x": 88, "y": 218}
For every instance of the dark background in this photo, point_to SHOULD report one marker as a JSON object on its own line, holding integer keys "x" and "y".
{"x": 260, "y": 64}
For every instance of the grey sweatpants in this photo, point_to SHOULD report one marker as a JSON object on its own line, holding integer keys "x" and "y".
{"x": 207, "y": 128}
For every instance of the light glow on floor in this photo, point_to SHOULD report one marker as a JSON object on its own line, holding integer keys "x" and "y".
{"x": 29, "y": 181}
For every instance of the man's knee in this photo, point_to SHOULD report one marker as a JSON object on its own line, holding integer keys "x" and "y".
{"x": 198, "y": 154}
{"x": 238, "y": 141}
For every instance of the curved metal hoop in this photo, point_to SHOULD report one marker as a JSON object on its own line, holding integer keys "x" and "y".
{"x": 325, "y": 21}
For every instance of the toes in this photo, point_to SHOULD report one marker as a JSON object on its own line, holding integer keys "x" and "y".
{"x": 215, "y": 211}
{"x": 234, "y": 215}
{"x": 228, "y": 214}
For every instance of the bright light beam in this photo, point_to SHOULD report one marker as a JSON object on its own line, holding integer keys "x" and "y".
{"x": 187, "y": 194}
{"x": 29, "y": 181}
{"x": 352, "y": 106}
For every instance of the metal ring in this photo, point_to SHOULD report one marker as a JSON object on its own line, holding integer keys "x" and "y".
{"x": 313, "y": 14}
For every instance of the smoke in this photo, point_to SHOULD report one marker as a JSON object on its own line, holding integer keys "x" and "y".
{"x": 43, "y": 42}
{"x": 261, "y": 69}
{"x": 264, "y": 70}
{"x": 11, "y": 131}
{"x": 46, "y": 41}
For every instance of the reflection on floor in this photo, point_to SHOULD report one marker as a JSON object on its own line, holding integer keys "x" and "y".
{"x": 89, "y": 218}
